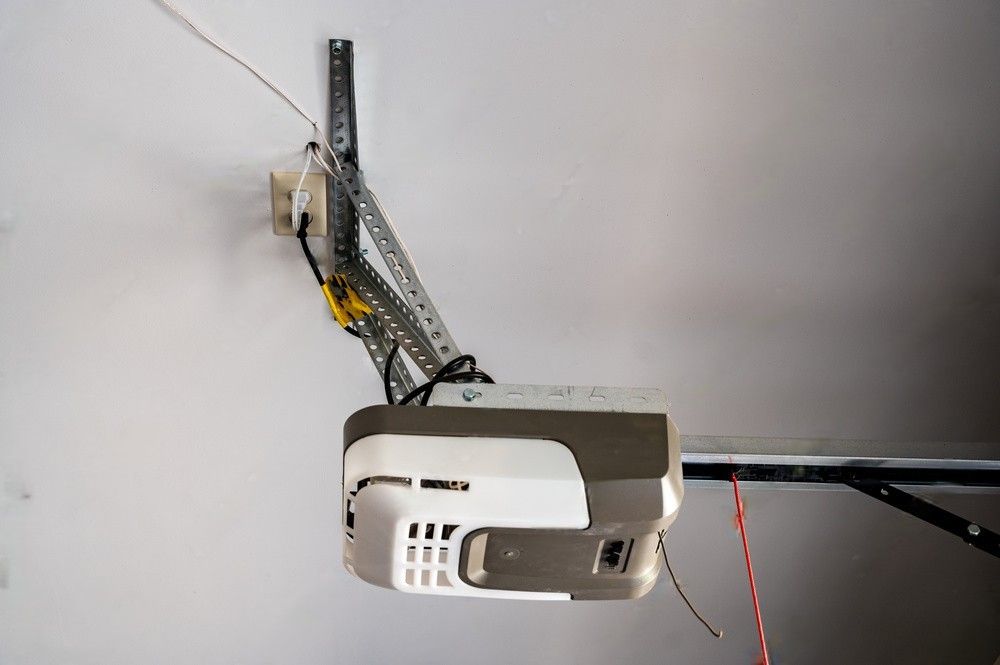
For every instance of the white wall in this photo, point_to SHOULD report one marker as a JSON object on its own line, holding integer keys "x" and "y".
{"x": 784, "y": 214}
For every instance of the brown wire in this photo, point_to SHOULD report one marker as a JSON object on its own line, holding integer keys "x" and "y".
{"x": 663, "y": 548}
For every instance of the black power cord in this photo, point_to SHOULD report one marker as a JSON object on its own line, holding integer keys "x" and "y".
{"x": 302, "y": 234}
{"x": 387, "y": 370}
{"x": 448, "y": 374}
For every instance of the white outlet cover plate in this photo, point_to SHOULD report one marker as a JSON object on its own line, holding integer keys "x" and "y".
{"x": 283, "y": 182}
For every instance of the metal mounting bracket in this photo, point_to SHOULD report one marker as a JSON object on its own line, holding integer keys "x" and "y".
{"x": 402, "y": 313}
{"x": 972, "y": 533}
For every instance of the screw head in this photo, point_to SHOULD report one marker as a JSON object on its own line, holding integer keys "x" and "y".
{"x": 338, "y": 46}
{"x": 469, "y": 394}
{"x": 974, "y": 529}
{"x": 510, "y": 554}
{"x": 364, "y": 252}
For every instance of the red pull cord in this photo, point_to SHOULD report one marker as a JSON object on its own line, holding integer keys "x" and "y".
{"x": 746, "y": 552}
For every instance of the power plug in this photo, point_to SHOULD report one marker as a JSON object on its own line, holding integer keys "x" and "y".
{"x": 312, "y": 199}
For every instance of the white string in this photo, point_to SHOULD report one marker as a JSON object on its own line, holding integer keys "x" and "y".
{"x": 381, "y": 209}
{"x": 256, "y": 72}
{"x": 322, "y": 162}
{"x": 314, "y": 151}
{"x": 296, "y": 211}
{"x": 399, "y": 238}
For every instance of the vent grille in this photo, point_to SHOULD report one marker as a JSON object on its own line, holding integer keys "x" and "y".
{"x": 426, "y": 554}
{"x": 458, "y": 485}
{"x": 350, "y": 507}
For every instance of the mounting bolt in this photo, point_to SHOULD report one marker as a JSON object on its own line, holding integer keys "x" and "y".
{"x": 469, "y": 394}
{"x": 338, "y": 46}
{"x": 974, "y": 529}
{"x": 364, "y": 251}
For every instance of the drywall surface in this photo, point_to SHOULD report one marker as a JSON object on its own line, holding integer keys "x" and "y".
{"x": 783, "y": 214}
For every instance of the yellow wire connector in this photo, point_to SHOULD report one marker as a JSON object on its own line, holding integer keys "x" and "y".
{"x": 345, "y": 303}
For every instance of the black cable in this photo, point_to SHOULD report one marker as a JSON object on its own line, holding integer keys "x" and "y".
{"x": 458, "y": 362}
{"x": 454, "y": 378}
{"x": 387, "y": 370}
{"x": 486, "y": 377}
{"x": 447, "y": 370}
{"x": 447, "y": 375}
{"x": 449, "y": 367}
{"x": 460, "y": 377}
{"x": 455, "y": 363}
{"x": 414, "y": 393}
{"x": 301, "y": 234}
{"x": 427, "y": 388}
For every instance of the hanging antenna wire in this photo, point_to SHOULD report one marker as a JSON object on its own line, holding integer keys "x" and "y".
{"x": 318, "y": 156}
{"x": 399, "y": 238}
{"x": 662, "y": 546}
{"x": 256, "y": 72}
{"x": 314, "y": 148}
{"x": 746, "y": 553}
{"x": 378, "y": 203}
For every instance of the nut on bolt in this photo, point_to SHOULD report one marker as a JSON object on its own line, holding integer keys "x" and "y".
{"x": 469, "y": 394}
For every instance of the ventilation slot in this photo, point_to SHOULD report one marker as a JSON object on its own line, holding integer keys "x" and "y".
{"x": 350, "y": 508}
{"x": 426, "y": 554}
{"x": 458, "y": 485}
{"x": 350, "y": 514}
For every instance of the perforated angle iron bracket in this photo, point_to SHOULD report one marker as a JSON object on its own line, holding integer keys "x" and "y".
{"x": 343, "y": 138}
{"x": 421, "y": 310}
{"x": 343, "y": 241}
{"x": 411, "y": 320}
{"x": 378, "y": 343}
{"x": 399, "y": 321}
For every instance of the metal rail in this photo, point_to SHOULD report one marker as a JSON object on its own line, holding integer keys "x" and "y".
{"x": 871, "y": 467}
{"x": 840, "y": 461}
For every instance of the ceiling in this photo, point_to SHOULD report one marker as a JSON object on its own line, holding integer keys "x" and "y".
{"x": 784, "y": 215}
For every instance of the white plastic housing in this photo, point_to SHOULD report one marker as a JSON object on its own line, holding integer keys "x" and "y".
{"x": 404, "y": 530}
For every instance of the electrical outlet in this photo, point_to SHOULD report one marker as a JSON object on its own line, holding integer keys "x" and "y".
{"x": 282, "y": 188}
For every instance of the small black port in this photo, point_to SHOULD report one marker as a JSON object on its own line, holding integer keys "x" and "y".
{"x": 614, "y": 556}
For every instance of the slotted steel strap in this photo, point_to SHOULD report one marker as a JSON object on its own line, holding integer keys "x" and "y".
{"x": 402, "y": 313}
